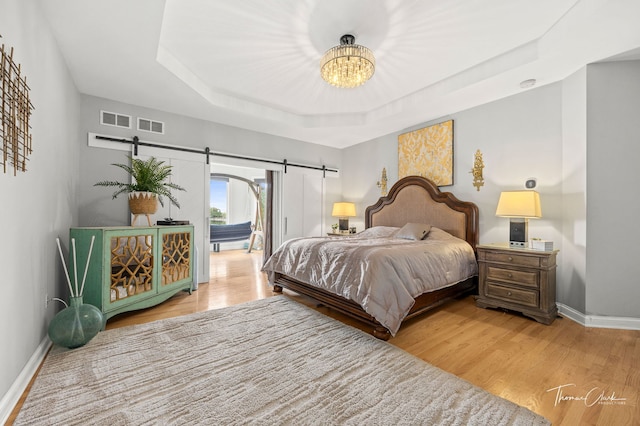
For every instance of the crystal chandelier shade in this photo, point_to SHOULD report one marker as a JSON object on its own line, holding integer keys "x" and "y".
{"x": 348, "y": 65}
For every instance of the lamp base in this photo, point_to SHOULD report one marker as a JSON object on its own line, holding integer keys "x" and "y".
{"x": 518, "y": 232}
{"x": 343, "y": 224}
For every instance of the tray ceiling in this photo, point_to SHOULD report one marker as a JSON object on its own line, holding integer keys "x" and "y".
{"x": 254, "y": 64}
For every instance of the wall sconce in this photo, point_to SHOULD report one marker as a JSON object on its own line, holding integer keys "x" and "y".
{"x": 478, "y": 165}
{"x": 382, "y": 183}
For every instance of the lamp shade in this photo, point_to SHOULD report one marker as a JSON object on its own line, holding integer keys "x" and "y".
{"x": 343, "y": 210}
{"x": 525, "y": 204}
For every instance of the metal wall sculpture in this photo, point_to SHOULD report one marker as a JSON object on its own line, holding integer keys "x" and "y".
{"x": 478, "y": 166}
{"x": 15, "y": 111}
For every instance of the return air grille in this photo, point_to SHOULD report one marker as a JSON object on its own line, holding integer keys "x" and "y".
{"x": 114, "y": 119}
{"x": 146, "y": 125}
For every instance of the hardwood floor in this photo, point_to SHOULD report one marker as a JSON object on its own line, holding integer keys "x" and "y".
{"x": 570, "y": 374}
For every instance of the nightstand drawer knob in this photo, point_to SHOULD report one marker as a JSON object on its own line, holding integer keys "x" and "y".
{"x": 510, "y": 258}
{"x": 510, "y": 275}
{"x": 508, "y": 293}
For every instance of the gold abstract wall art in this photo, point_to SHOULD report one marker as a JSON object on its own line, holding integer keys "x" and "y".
{"x": 15, "y": 111}
{"x": 427, "y": 152}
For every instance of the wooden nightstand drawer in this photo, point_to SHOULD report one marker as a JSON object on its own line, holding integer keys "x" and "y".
{"x": 513, "y": 259}
{"x": 519, "y": 279}
{"x": 524, "y": 278}
{"x": 510, "y": 294}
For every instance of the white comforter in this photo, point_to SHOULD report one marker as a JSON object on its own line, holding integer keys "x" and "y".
{"x": 378, "y": 271}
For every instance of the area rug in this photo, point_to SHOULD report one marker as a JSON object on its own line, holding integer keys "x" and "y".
{"x": 271, "y": 361}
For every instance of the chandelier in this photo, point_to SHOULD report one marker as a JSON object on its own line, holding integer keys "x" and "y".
{"x": 347, "y": 65}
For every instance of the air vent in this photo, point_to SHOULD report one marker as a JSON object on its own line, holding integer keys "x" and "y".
{"x": 114, "y": 119}
{"x": 146, "y": 125}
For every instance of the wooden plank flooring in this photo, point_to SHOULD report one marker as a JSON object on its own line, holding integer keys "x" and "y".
{"x": 570, "y": 374}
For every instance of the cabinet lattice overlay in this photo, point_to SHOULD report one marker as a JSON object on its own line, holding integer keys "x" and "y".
{"x": 176, "y": 264}
{"x": 135, "y": 267}
{"x": 131, "y": 266}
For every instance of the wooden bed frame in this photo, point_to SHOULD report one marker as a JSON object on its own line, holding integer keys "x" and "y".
{"x": 412, "y": 199}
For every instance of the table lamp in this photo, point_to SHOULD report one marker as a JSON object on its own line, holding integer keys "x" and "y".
{"x": 519, "y": 206}
{"x": 343, "y": 211}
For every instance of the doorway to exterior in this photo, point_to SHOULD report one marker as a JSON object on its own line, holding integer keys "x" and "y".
{"x": 239, "y": 210}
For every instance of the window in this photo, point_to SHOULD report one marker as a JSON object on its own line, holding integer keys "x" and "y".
{"x": 218, "y": 200}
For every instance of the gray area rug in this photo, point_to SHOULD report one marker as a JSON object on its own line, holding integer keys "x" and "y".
{"x": 272, "y": 361}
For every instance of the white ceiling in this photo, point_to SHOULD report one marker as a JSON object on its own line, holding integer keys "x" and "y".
{"x": 254, "y": 64}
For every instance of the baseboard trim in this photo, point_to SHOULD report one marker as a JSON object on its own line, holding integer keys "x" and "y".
{"x": 599, "y": 321}
{"x": 11, "y": 398}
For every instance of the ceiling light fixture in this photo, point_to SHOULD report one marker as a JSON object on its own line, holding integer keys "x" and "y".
{"x": 347, "y": 65}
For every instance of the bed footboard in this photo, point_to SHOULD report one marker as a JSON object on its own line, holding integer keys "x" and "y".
{"x": 424, "y": 302}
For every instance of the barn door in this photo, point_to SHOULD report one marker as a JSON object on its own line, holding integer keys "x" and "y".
{"x": 192, "y": 173}
{"x": 302, "y": 203}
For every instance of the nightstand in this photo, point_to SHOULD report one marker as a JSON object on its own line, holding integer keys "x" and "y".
{"x": 519, "y": 279}
{"x": 339, "y": 234}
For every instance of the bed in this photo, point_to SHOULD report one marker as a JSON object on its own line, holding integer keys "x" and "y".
{"x": 412, "y": 200}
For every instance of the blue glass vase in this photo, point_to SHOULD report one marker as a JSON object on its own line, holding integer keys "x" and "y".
{"x": 76, "y": 324}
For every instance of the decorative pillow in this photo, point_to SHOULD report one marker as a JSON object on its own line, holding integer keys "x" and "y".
{"x": 413, "y": 231}
{"x": 378, "y": 232}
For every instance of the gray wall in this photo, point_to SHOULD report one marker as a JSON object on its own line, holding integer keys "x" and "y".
{"x": 96, "y": 205}
{"x": 613, "y": 175}
{"x": 519, "y": 137}
{"x": 41, "y": 203}
{"x": 572, "y": 277}
{"x": 579, "y": 138}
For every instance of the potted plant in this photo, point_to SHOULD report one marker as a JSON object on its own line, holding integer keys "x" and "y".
{"x": 149, "y": 184}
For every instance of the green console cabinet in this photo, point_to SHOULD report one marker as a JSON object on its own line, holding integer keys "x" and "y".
{"x": 134, "y": 267}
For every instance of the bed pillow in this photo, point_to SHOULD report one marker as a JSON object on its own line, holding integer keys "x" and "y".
{"x": 379, "y": 232}
{"x": 413, "y": 231}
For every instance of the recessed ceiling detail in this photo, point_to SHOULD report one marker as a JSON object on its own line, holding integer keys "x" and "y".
{"x": 254, "y": 64}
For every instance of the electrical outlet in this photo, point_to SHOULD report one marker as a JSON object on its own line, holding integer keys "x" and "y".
{"x": 46, "y": 300}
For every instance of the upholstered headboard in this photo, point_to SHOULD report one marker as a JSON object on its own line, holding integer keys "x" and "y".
{"x": 417, "y": 199}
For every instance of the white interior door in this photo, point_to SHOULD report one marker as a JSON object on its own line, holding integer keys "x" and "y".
{"x": 292, "y": 205}
{"x": 313, "y": 202}
{"x": 191, "y": 172}
{"x": 302, "y": 203}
